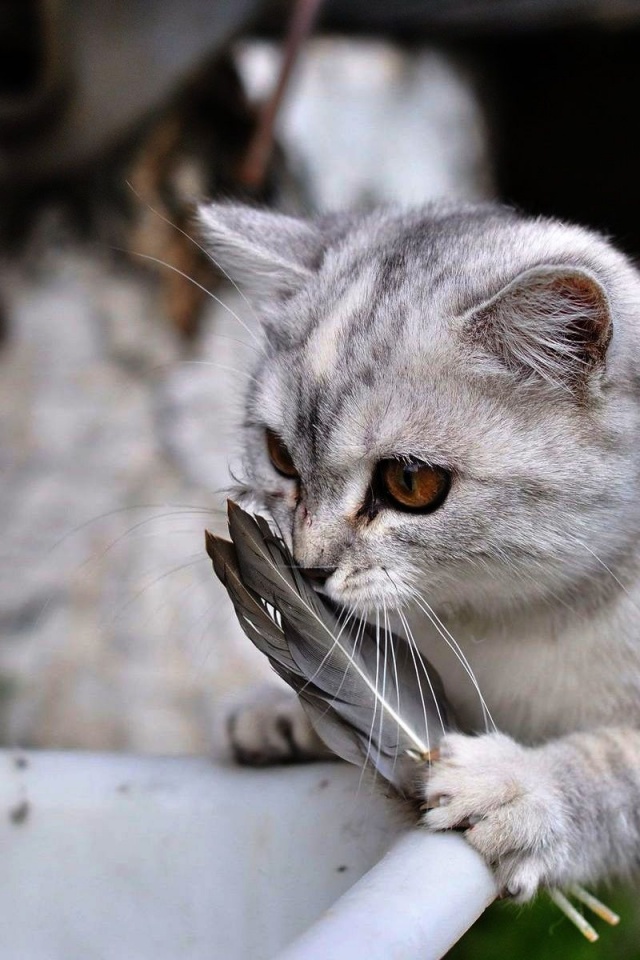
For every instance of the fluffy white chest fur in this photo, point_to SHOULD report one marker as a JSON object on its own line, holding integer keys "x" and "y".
{"x": 540, "y": 681}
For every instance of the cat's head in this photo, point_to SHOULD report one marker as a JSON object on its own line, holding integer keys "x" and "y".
{"x": 439, "y": 408}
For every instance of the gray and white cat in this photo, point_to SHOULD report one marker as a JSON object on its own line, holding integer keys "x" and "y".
{"x": 444, "y": 420}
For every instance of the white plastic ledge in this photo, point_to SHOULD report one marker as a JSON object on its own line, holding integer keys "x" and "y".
{"x": 119, "y": 857}
{"x": 414, "y": 905}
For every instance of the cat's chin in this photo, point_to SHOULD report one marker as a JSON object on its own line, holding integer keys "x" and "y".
{"x": 367, "y": 591}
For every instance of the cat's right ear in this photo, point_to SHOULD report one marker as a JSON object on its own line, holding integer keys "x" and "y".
{"x": 268, "y": 253}
{"x": 550, "y": 325}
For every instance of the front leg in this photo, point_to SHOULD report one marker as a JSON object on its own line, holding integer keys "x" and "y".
{"x": 566, "y": 812}
{"x": 270, "y": 727}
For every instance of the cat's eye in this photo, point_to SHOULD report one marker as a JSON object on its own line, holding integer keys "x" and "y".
{"x": 412, "y": 485}
{"x": 280, "y": 456}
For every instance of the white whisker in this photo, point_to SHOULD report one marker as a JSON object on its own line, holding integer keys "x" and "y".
{"x": 418, "y": 661}
{"x": 384, "y": 671}
{"x": 608, "y": 570}
{"x": 191, "y": 561}
{"x": 351, "y": 657}
{"x": 389, "y": 633}
{"x": 181, "y": 273}
{"x": 205, "y": 363}
{"x": 456, "y": 649}
{"x": 375, "y": 702}
{"x": 192, "y": 240}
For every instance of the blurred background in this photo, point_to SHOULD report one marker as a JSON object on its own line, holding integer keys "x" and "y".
{"x": 123, "y": 353}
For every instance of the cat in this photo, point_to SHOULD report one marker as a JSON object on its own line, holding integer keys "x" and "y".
{"x": 444, "y": 420}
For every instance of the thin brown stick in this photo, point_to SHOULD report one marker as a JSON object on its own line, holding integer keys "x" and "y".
{"x": 596, "y": 906}
{"x": 573, "y": 915}
{"x": 253, "y": 170}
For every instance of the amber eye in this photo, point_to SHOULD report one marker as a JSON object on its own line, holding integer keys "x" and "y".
{"x": 412, "y": 485}
{"x": 280, "y": 456}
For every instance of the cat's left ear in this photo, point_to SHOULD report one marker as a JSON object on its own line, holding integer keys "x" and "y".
{"x": 267, "y": 252}
{"x": 551, "y": 323}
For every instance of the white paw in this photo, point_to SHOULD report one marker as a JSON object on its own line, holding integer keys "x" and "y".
{"x": 271, "y": 727}
{"x": 504, "y": 796}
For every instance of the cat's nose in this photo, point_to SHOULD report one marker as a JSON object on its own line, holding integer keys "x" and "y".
{"x": 318, "y": 575}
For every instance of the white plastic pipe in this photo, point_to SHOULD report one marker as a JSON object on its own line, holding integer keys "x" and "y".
{"x": 157, "y": 858}
{"x": 413, "y": 905}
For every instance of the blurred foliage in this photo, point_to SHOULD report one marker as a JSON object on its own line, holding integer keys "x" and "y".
{"x": 541, "y": 932}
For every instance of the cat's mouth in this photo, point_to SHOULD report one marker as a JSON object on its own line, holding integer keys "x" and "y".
{"x": 365, "y": 589}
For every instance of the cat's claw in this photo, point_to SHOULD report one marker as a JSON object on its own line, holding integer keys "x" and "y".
{"x": 272, "y": 728}
{"x": 504, "y": 797}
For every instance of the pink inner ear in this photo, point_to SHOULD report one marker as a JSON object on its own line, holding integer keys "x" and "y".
{"x": 551, "y": 324}
{"x": 590, "y": 326}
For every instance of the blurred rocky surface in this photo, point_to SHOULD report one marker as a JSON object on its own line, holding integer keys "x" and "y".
{"x": 115, "y": 437}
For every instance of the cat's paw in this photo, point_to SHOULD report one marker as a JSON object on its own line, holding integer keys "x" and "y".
{"x": 506, "y": 799}
{"x": 270, "y": 727}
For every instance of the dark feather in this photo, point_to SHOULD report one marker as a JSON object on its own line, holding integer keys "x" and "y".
{"x": 365, "y": 692}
